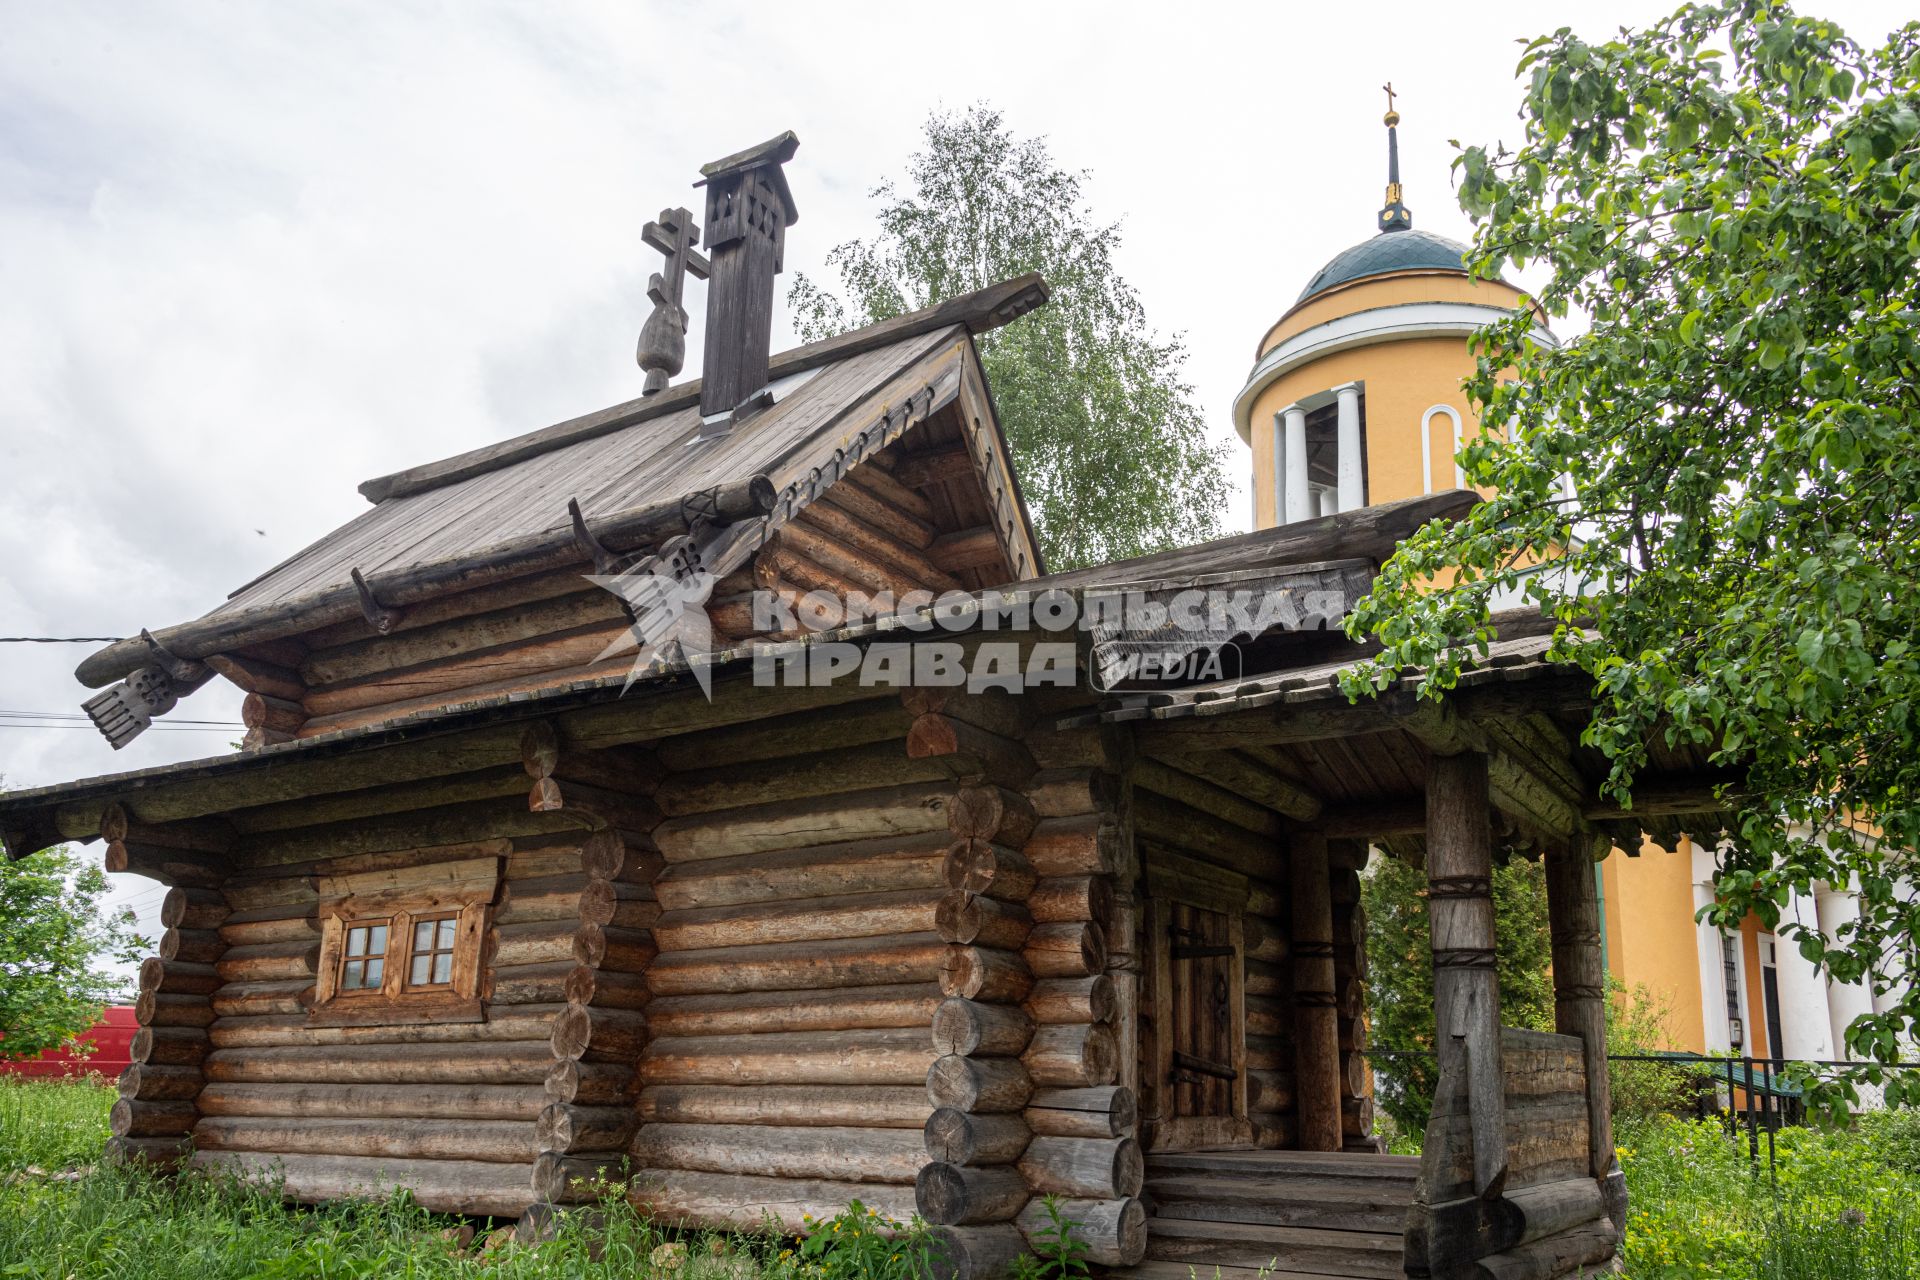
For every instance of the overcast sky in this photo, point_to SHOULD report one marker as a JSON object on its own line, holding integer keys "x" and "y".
{"x": 252, "y": 254}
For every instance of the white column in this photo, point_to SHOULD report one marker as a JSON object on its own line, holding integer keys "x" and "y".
{"x": 1297, "y": 507}
{"x": 1351, "y": 464}
{"x": 1806, "y": 1031}
{"x": 1717, "y": 1036}
{"x": 1845, "y": 1000}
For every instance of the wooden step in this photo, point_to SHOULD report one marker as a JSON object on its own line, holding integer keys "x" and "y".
{"x": 1374, "y": 1255}
{"x": 1195, "y": 1271}
{"x": 1280, "y": 1164}
{"x": 1346, "y": 1204}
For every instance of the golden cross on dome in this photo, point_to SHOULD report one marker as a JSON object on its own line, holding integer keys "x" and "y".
{"x": 1393, "y": 117}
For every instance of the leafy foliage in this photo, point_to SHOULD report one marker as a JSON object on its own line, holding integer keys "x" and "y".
{"x": 1057, "y": 1254}
{"x": 53, "y": 939}
{"x": 1826, "y": 1207}
{"x": 1400, "y": 973}
{"x": 1733, "y": 197}
{"x": 1110, "y": 448}
{"x": 860, "y": 1244}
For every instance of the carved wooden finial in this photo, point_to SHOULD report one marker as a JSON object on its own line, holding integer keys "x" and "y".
{"x": 663, "y": 339}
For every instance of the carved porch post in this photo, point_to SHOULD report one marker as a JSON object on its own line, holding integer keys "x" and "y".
{"x": 1580, "y": 985}
{"x": 1466, "y": 990}
{"x": 1316, "y": 1021}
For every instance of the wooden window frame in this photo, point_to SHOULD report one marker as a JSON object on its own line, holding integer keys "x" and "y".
{"x": 462, "y": 890}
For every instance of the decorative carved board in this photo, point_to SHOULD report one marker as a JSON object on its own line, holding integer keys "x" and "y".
{"x": 1193, "y": 1059}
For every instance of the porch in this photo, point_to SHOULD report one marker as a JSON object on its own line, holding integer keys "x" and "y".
{"x": 1299, "y": 1215}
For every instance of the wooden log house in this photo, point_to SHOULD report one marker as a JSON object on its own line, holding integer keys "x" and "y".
{"x": 470, "y": 915}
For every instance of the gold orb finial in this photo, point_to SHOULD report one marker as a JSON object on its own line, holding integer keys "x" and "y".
{"x": 1392, "y": 117}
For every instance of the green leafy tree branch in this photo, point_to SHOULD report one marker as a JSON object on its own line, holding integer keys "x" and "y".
{"x": 1722, "y": 475}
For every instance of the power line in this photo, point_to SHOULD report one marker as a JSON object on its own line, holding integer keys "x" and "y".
{"x": 83, "y": 719}
{"x": 61, "y": 639}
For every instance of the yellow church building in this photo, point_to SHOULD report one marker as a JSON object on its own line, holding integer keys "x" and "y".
{"x": 1355, "y": 397}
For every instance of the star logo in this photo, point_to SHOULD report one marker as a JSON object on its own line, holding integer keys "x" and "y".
{"x": 670, "y": 623}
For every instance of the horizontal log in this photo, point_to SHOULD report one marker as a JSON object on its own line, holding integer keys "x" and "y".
{"x": 829, "y": 1009}
{"x": 506, "y": 1023}
{"x": 797, "y": 1151}
{"x": 599, "y": 1035}
{"x": 192, "y": 946}
{"x": 1070, "y": 1000}
{"x": 270, "y": 961}
{"x": 170, "y": 1046}
{"x": 736, "y": 784}
{"x": 178, "y": 977}
{"x": 1114, "y": 1100}
{"x": 596, "y": 1084}
{"x": 980, "y": 866}
{"x": 968, "y": 753}
{"x": 157, "y": 1153}
{"x": 607, "y": 989}
{"x": 376, "y": 1101}
{"x": 1086, "y": 845}
{"x": 1072, "y": 1057}
{"x": 1071, "y": 792}
{"x": 392, "y": 1137}
{"x": 792, "y": 824}
{"x": 748, "y": 1203}
{"x": 162, "y": 1009}
{"x": 256, "y": 676}
{"x": 1068, "y": 949}
{"x": 847, "y": 962}
{"x": 799, "y": 735}
{"x": 971, "y": 918}
{"x": 956, "y": 1195}
{"x": 888, "y": 864}
{"x": 511, "y": 986}
{"x": 571, "y": 1127}
{"x": 1270, "y": 1091}
{"x": 866, "y": 1106}
{"x": 441, "y": 1186}
{"x": 1085, "y": 1168}
{"x": 129, "y": 1119}
{"x": 983, "y": 1030}
{"x": 560, "y": 1179}
{"x": 148, "y": 1082}
{"x": 889, "y": 1056}
{"x": 248, "y": 999}
{"x": 977, "y": 1253}
{"x": 1072, "y": 898}
{"x": 193, "y": 908}
{"x": 958, "y": 1137}
{"x": 288, "y": 924}
{"x": 511, "y": 1063}
{"x": 1204, "y": 836}
{"x": 991, "y": 813}
{"x": 855, "y": 915}
{"x": 985, "y": 974}
{"x": 978, "y": 1085}
{"x": 1113, "y": 1231}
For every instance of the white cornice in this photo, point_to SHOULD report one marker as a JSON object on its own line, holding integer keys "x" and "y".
{"x": 1364, "y": 329}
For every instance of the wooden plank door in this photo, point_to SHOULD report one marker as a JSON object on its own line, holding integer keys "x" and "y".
{"x": 1195, "y": 1061}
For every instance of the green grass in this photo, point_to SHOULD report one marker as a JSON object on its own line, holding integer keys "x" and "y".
{"x": 52, "y": 1124}
{"x": 1835, "y": 1204}
{"x": 1839, "y": 1205}
{"x": 115, "y": 1222}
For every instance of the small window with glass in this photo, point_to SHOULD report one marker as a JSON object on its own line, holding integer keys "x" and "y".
{"x": 394, "y": 953}
{"x": 430, "y": 954}
{"x": 363, "y": 960}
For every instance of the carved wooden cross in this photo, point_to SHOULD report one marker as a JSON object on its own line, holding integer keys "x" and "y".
{"x": 663, "y": 339}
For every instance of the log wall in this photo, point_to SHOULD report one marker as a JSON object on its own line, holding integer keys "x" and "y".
{"x": 799, "y": 971}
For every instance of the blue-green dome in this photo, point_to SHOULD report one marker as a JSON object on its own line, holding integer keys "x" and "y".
{"x": 1404, "y": 250}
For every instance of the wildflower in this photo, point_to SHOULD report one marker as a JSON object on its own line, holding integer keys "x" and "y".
{"x": 668, "y": 1257}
